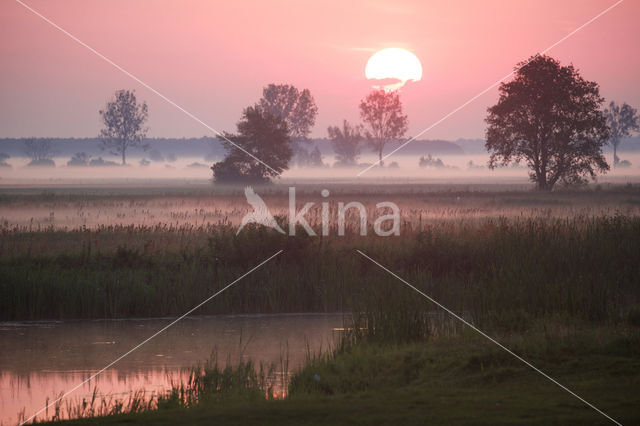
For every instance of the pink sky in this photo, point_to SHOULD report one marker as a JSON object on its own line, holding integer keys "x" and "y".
{"x": 213, "y": 58}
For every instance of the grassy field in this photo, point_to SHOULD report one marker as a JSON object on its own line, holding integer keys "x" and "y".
{"x": 192, "y": 207}
{"x": 554, "y": 276}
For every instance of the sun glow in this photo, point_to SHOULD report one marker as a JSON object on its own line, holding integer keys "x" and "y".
{"x": 393, "y": 67}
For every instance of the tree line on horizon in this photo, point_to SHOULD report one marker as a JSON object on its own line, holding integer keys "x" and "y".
{"x": 275, "y": 131}
{"x": 547, "y": 117}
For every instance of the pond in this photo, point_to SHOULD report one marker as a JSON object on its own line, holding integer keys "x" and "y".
{"x": 41, "y": 360}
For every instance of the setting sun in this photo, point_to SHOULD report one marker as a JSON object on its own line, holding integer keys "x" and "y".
{"x": 393, "y": 64}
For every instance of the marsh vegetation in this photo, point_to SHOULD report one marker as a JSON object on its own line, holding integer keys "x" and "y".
{"x": 552, "y": 275}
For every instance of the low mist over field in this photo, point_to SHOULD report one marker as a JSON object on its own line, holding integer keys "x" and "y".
{"x": 450, "y": 163}
{"x": 196, "y": 207}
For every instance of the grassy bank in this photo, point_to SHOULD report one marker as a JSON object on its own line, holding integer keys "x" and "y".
{"x": 460, "y": 379}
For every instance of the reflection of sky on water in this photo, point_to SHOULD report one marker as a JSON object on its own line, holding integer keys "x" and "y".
{"x": 42, "y": 359}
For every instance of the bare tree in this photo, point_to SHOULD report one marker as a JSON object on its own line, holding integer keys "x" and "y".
{"x": 622, "y": 121}
{"x": 346, "y": 143}
{"x": 124, "y": 120}
{"x": 382, "y": 113}
{"x": 549, "y": 117}
{"x": 39, "y": 150}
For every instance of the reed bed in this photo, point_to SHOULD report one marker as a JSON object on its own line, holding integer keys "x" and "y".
{"x": 503, "y": 272}
{"x": 206, "y": 383}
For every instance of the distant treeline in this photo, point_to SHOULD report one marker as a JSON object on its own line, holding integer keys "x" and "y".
{"x": 67, "y": 147}
{"x": 211, "y": 149}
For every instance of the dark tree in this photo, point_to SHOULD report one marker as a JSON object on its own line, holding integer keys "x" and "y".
{"x": 40, "y": 151}
{"x": 124, "y": 120}
{"x": 346, "y": 143}
{"x": 549, "y": 117}
{"x": 298, "y": 109}
{"x": 265, "y": 136}
{"x": 382, "y": 113}
{"x": 622, "y": 121}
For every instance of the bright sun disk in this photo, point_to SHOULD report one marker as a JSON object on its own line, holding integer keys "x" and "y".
{"x": 395, "y": 64}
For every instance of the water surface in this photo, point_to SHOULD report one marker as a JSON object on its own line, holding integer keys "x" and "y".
{"x": 41, "y": 360}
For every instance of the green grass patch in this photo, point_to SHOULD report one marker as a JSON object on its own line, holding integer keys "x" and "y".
{"x": 462, "y": 380}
